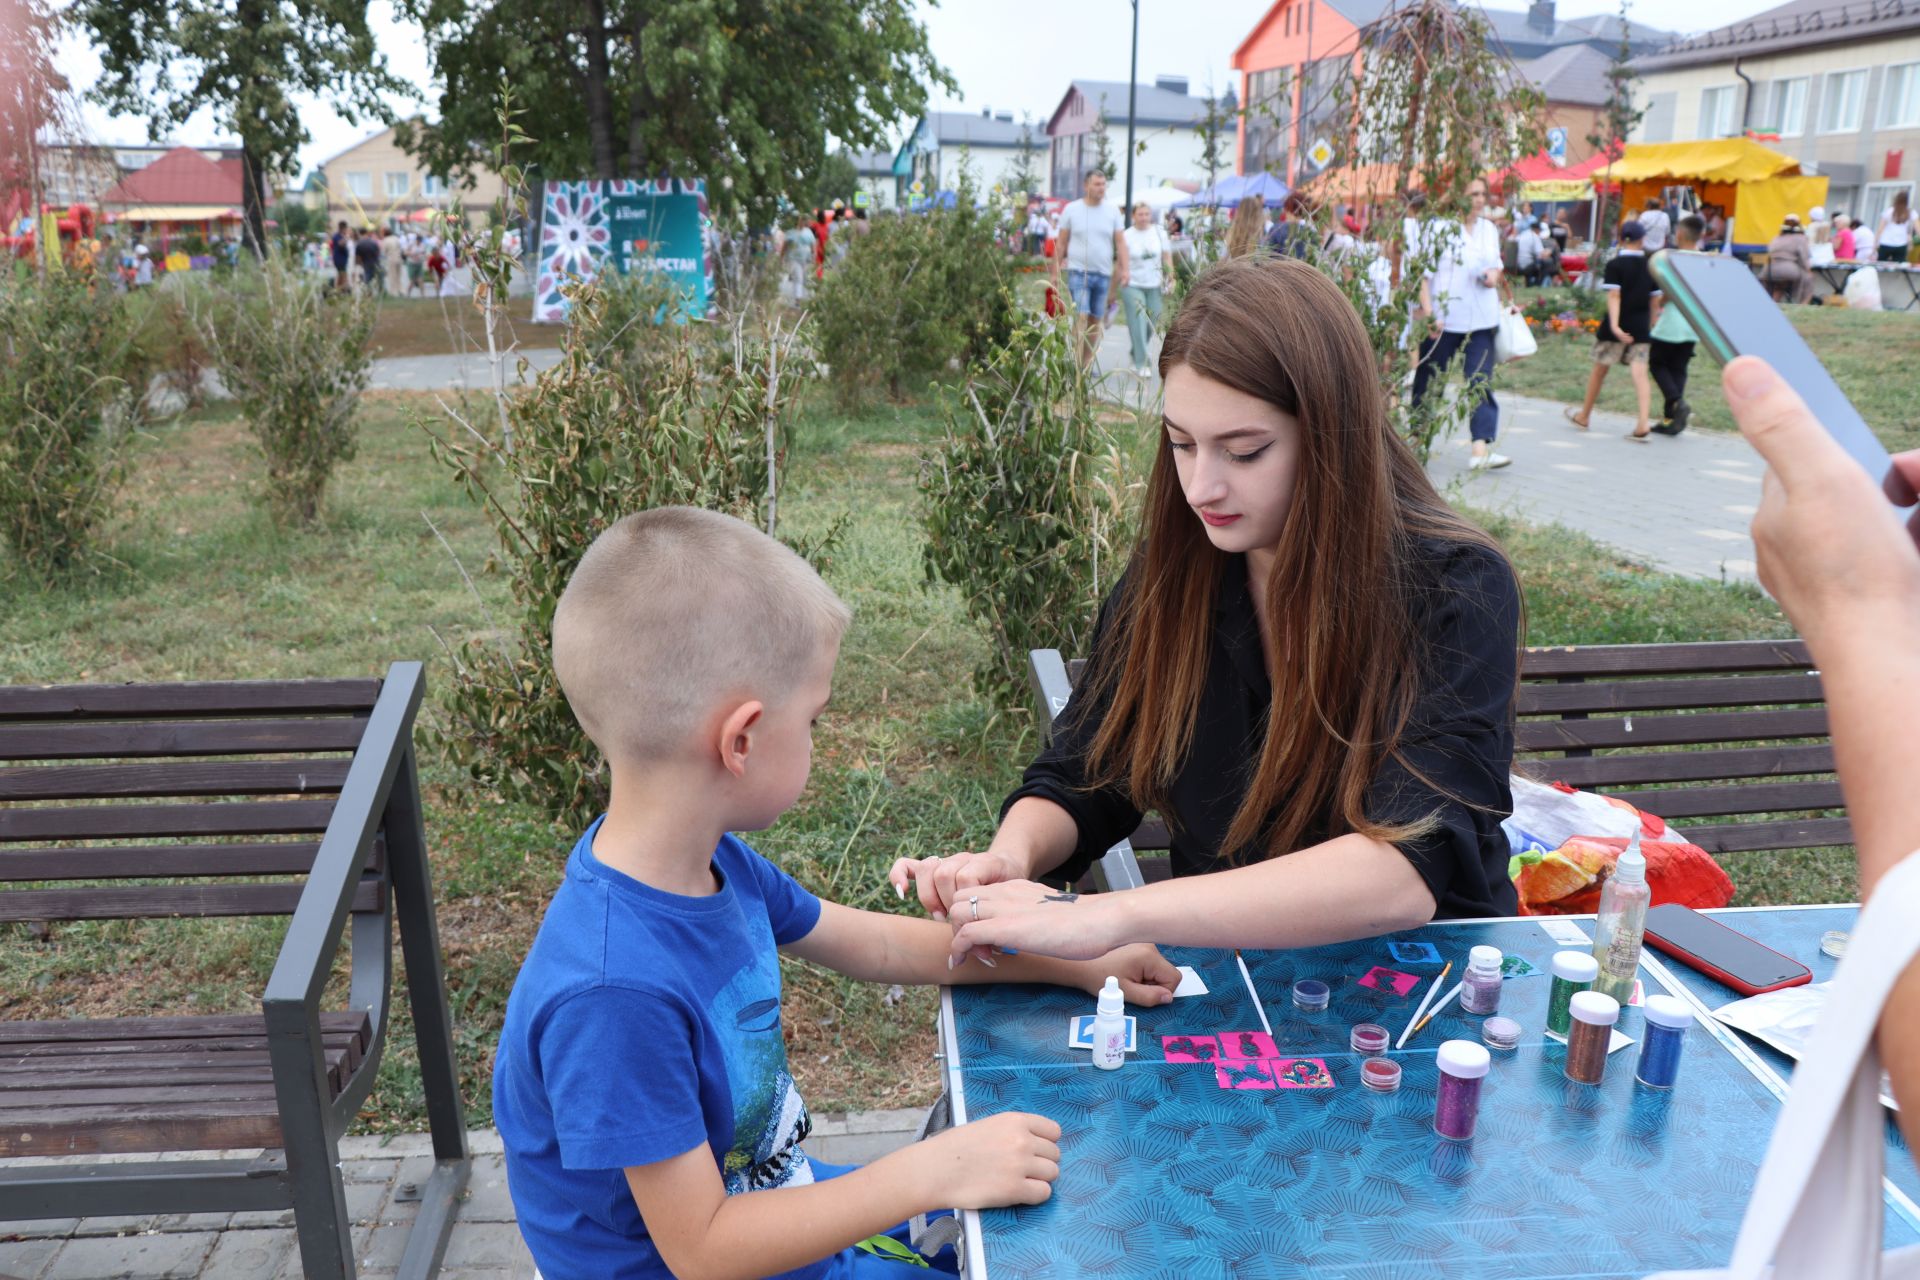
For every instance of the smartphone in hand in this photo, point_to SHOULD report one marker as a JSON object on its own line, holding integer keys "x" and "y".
{"x": 1733, "y": 316}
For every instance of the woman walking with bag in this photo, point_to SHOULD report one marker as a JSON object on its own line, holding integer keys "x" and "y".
{"x": 1460, "y": 299}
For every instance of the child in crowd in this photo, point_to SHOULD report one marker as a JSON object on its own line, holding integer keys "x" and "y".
{"x": 1672, "y": 341}
{"x": 641, "y": 1087}
{"x": 1624, "y": 334}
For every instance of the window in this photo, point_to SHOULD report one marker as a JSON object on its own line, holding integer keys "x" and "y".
{"x": 360, "y": 185}
{"x": 1716, "y": 111}
{"x": 1840, "y": 101}
{"x": 1900, "y": 100}
{"x": 1269, "y": 120}
{"x": 1787, "y": 107}
{"x": 398, "y": 184}
{"x": 433, "y": 186}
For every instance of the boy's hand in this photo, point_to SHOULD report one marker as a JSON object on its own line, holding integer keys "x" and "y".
{"x": 1011, "y": 1158}
{"x": 1147, "y": 978}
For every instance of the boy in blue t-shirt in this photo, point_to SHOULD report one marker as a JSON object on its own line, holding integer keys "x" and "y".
{"x": 641, "y": 1087}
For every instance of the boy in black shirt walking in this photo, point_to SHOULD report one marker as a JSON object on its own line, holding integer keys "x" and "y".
{"x": 1625, "y": 335}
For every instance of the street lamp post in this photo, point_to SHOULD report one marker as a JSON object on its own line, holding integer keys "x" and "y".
{"x": 1133, "y": 89}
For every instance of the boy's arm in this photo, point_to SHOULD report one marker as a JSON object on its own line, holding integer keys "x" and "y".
{"x": 1613, "y": 316}
{"x": 874, "y": 946}
{"x": 704, "y": 1234}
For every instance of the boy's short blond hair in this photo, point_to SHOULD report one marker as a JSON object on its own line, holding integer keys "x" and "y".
{"x": 673, "y": 610}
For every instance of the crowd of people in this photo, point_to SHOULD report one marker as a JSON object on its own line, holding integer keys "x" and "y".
{"x": 807, "y": 246}
{"x": 387, "y": 261}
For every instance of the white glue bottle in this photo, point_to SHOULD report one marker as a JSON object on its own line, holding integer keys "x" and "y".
{"x": 1110, "y": 1028}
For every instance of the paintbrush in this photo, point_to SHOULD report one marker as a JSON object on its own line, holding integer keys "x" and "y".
{"x": 1252, "y": 991}
{"x": 1443, "y": 1002}
{"x": 1424, "y": 1002}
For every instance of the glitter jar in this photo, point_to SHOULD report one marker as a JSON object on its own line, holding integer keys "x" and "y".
{"x": 1593, "y": 1018}
{"x": 1667, "y": 1023}
{"x": 1311, "y": 994}
{"x": 1833, "y": 944}
{"x": 1573, "y": 971}
{"x": 1500, "y": 1033}
{"x": 1382, "y": 1075}
{"x": 1368, "y": 1038}
{"x": 1480, "y": 989}
{"x": 1463, "y": 1066}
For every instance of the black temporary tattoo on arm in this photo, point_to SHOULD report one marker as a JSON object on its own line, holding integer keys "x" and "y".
{"x": 1061, "y": 897}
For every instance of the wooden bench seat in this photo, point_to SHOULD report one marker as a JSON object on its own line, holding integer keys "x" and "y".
{"x": 1725, "y": 739}
{"x": 153, "y": 1084}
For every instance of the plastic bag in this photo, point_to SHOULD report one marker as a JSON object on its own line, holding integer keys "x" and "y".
{"x": 1513, "y": 340}
{"x": 1863, "y": 290}
{"x": 1785, "y": 1019}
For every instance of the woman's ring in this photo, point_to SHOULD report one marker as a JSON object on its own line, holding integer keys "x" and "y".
{"x": 974, "y": 902}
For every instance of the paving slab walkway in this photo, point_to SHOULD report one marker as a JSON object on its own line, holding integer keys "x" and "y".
{"x": 1681, "y": 504}
{"x": 382, "y": 1176}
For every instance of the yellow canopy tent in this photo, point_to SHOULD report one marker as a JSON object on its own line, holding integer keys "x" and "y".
{"x": 1757, "y": 185}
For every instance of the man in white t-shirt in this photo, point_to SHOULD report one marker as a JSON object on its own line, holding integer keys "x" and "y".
{"x": 1090, "y": 247}
{"x": 1653, "y": 221}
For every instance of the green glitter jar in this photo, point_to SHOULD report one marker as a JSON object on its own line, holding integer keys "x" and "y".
{"x": 1573, "y": 971}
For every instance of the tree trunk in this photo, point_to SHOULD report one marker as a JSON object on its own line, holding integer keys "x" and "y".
{"x": 599, "y": 99}
{"x": 638, "y": 101}
{"x": 253, "y": 197}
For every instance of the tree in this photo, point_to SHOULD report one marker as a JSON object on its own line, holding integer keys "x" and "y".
{"x": 743, "y": 93}
{"x": 1102, "y": 145}
{"x": 836, "y": 179}
{"x": 1215, "y": 125}
{"x": 32, "y": 96}
{"x": 1022, "y": 177}
{"x": 1617, "y": 119}
{"x": 296, "y": 220}
{"x": 166, "y": 59}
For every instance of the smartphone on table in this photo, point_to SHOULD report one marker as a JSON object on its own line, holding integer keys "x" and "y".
{"x": 1733, "y": 316}
{"x": 1723, "y": 954}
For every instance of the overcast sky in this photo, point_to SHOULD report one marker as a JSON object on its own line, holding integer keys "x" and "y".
{"x": 1009, "y": 55}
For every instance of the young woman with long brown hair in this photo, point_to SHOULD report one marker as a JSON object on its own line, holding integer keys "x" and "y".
{"x": 1247, "y": 228}
{"x": 1308, "y": 668}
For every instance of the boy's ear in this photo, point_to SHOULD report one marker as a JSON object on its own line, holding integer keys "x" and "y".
{"x": 735, "y": 739}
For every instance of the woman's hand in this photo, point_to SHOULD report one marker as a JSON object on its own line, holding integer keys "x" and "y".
{"x": 1021, "y": 915}
{"x": 1830, "y": 548}
{"x": 941, "y": 882}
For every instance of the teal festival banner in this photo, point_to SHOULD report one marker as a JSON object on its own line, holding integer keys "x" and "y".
{"x": 637, "y": 226}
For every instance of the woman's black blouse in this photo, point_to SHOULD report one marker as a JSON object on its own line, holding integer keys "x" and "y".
{"x": 1460, "y": 737}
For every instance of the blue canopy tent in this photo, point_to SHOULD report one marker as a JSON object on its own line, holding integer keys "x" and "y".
{"x": 1232, "y": 190}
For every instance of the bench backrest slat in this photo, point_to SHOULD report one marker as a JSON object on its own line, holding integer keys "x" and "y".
{"x": 186, "y": 700}
{"x": 95, "y": 739}
{"x": 97, "y": 822}
{"x": 148, "y": 901}
{"x": 1545, "y": 662}
{"x": 198, "y": 778}
{"x": 156, "y": 861}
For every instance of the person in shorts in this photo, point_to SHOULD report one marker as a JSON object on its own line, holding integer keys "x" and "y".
{"x": 1092, "y": 248}
{"x": 1625, "y": 335}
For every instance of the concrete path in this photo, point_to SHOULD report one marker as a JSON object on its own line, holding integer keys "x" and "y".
{"x": 1680, "y": 504}
{"x": 438, "y": 372}
{"x": 381, "y": 1177}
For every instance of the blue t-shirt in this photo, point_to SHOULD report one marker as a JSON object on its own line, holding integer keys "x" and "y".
{"x": 642, "y": 1025}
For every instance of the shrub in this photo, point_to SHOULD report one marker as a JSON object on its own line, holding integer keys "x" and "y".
{"x": 594, "y": 442}
{"x": 69, "y": 367}
{"x": 911, "y": 296}
{"x": 171, "y": 343}
{"x": 1027, "y": 501}
{"x": 296, "y": 358}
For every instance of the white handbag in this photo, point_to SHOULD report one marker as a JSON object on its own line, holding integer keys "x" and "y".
{"x": 1816, "y": 1208}
{"x": 1513, "y": 340}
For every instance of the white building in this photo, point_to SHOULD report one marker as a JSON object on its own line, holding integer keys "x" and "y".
{"x": 990, "y": 141}
{"x": 1166, "y": 125}
{"x": 1839, "y": 83}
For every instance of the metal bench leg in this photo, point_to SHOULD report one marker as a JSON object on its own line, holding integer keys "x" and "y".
{"x": 432, "y": 1024}
{"x": 319, "y": 1198}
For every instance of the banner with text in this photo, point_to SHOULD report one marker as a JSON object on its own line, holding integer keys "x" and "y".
{"x": 650, "y": 225}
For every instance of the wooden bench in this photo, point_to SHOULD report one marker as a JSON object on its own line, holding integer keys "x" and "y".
{"x": 286, "y": 798}
{"x": 1727, "y": 740}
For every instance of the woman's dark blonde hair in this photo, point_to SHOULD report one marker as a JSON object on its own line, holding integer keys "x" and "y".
{"x": 1249, "y": 223}
{"x": 1346, "y": 665}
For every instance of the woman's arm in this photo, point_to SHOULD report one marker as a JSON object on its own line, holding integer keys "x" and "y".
{"x": 1350, "y": 887}
{"x": 1848, "y": 576}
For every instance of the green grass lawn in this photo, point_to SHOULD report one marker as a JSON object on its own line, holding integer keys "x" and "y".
{"x": 1874, "y": 356}
{"x": 908, "y": 761}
